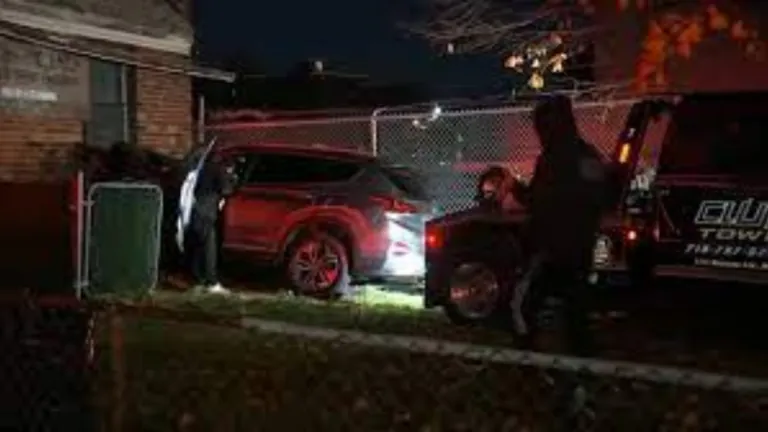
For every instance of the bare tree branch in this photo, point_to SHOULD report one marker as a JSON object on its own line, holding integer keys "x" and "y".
{"x": 491, "y": 25}
{"x": 537, "y": 36}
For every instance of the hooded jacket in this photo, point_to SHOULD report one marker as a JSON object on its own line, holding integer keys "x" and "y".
{"x": 204, "y": 186}
{"x": 566, "y": 196}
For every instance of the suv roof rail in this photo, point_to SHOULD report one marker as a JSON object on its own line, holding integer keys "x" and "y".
{"x": 298, "y": 148}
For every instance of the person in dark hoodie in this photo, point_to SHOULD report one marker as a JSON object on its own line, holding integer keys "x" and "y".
{"x": 212, "y": 186}
{"x": 565, "y": 200}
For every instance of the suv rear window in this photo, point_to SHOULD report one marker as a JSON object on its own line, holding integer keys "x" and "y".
{"x": 407, "y": 181}
{"x": 271, "y": 168}
{"x": 718, "y": 135}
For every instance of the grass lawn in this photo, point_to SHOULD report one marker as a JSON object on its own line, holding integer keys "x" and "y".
{"x": 191, "y": 376}
{"x": 375, "y": 310}
{"x": 383, "y": 312}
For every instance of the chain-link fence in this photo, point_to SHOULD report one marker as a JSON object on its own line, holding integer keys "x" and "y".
{"x": 453, "y": 148}
{"x": 123, "y": 224}
{"x": 127, "y": 367}
{"x": 449, "y": 148}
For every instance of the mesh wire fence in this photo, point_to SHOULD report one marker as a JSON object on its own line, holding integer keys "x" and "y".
{"x": 449, "y": 150}
{"x": 453, "y": 149}
{"x": 352, "y": 133}
{"x": 103, "y": 367}
{"x": 122, "y": 238}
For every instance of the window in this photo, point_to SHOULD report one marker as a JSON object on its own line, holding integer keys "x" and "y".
{"x": 237, "y": 165}
{"x": 407, "y": 181}
{"x": 278, "y": 168}
{"x": 720, "y": 136}
{"x": 113, "y": 107}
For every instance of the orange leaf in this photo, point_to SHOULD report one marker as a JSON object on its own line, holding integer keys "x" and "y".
{"x": 693, "y": 33}
{"x": 683, "y": 50}
{"x": 717, "y": 20}
{"x": 655, "y": 47}
{"x": 738, "y": 31}
{"x": 654, "y": 29}
{"x": 645, "y": 69}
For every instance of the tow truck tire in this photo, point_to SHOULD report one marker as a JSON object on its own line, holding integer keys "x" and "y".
{"x": 487, "y": 280}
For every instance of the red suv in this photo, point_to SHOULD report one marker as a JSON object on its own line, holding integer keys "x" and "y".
{"x": 327, "y": 216}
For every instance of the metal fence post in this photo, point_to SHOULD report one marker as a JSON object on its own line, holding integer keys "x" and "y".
{"x": 374, "y": 131}
{"x": 117, "y": 351}
{"x": 79, "y": 208}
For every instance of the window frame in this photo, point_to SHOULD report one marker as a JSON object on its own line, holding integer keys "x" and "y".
{"x": 126, "y": 103}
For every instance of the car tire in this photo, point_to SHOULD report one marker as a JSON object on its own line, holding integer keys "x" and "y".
{"x": 317, "y": 265}
{"x": 489, "y": 279}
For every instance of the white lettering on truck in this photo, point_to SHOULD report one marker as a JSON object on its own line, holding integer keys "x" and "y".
{"x": 731, "y": 229}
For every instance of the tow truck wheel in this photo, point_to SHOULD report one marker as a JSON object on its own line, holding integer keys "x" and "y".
{"x": 476, "y": 293}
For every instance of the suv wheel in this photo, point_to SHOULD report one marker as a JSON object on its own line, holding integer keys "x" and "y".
{"x": 318, "y": 266}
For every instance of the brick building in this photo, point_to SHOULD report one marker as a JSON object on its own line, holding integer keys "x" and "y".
{"x": 81, "y": 73}
{"x": 92, "y": 72}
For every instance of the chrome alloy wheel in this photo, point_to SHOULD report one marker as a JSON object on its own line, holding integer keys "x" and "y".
{"x": 474, "y": 290}
{"x": 315, "y": 267}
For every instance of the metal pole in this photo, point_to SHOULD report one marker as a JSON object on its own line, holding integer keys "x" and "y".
{"x": 374, "y": 130}
{"x": 79, "y": 240}
{"x": 201, "y": 119}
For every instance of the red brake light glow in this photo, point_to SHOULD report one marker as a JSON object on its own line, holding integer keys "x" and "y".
{"x": 631, "y": 235}
{"x": 433, "y": 238}
{"x": 392, "y": 205}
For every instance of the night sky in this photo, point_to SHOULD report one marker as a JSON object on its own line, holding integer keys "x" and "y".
{"x": 350, "y": 35}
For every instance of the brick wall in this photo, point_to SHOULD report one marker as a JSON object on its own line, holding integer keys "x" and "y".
{"x": 35, "y": 147}
{"x": 38, "y": 146}
{"x": 164, "y": 106}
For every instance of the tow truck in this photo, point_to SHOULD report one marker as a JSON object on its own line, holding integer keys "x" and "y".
{"x": 473, "y": 257}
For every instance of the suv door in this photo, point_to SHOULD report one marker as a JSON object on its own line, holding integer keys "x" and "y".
{"x": 274, "y": 186}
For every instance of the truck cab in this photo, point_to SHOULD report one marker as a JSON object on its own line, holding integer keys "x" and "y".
{"x": 704, "y": 211}
{"x": 474, "y": 257}
{"x": 711, "y": 190}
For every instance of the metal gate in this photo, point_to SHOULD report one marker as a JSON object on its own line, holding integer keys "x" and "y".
{"x": 121, "y": 241}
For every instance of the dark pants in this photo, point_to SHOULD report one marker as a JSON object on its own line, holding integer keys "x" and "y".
{"x": 203, "y": 251}
{"x": 569, "y": 284}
